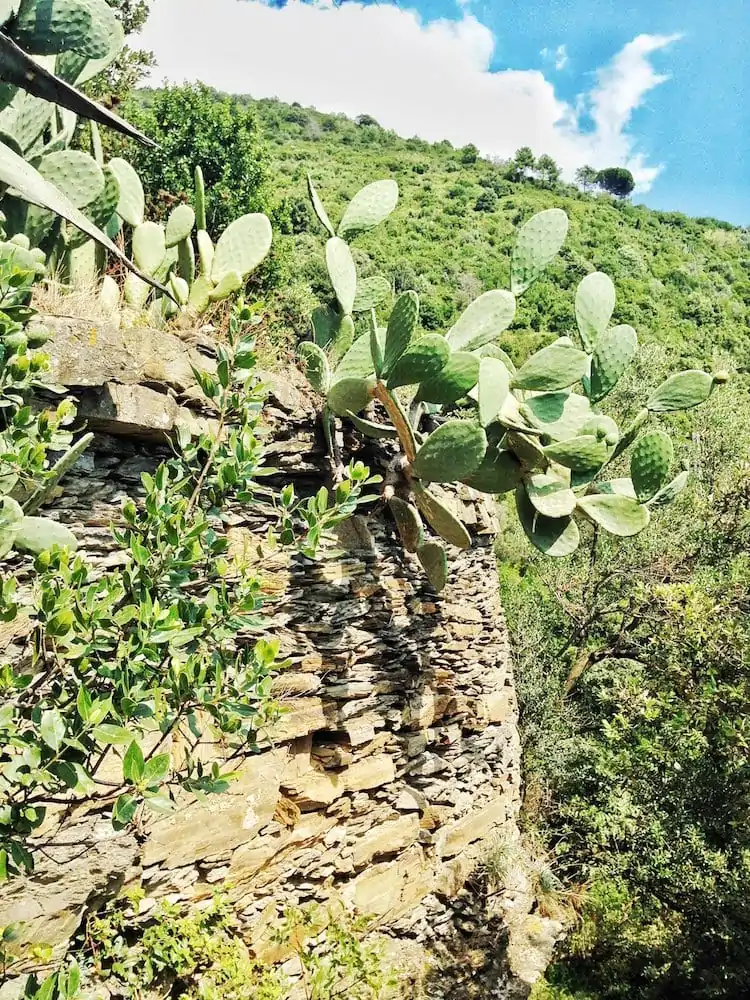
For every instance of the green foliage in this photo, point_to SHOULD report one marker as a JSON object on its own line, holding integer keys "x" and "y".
{"x": 191, "y": 125}
{"x": 683, "y": 283}
{"x": 94, "y": 686}
{"x": 531, "y": 432}
{"x": 638, "y": 776}
{"x": 200, "y": 954}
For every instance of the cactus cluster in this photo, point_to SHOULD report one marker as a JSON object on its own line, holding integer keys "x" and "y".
{"x": 535, "y": 431}
{"x": 182, "y": 256}
{"x": 47, "y": 49}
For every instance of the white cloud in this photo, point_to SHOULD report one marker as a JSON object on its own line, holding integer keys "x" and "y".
{"x": 432, "y": 79}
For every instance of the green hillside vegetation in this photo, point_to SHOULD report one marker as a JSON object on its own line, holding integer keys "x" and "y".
{"x": 683, "y": 283}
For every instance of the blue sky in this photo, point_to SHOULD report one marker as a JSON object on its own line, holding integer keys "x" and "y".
{"x": 661, "y": 86}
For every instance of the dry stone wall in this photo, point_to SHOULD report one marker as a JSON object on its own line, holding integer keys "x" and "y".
{"x": 396, "y": 759}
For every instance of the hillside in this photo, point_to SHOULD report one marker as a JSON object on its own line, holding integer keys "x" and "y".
{"x": 682, "y": 282}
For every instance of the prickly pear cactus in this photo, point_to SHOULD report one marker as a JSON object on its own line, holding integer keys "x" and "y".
{"x": 462, "y": 413}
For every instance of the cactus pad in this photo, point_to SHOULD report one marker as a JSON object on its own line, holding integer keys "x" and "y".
{"x": 494, "y": 386}
{"x": 402, "y": 325}
{"x": 149, "y": 247}
{"x": 435, "y": 564}
{"x": 242, "y": 246}
{"x": 371, "y": 292}
{"x": 199, "y": 200}
{"x": 342, "y": 272}
{"x": 324, "y": 321}
{"x": 231, "y": 282}
{"x": 11, "y": 516}
{"x": 368, "y": 207}
{"x": 131, "y": 205}
{"x": 561, "y": 415}
{"x": 482, "y": 321}
{"x": 180, "y": 289}
{"x": 442, "y": 521}
{"x": 35, "y": 534}
{"x": 180, "y": 224}
{"x": 206, "y": 252}
{"x": 319, "y": 208}
{"x": 614, "y": 350}
{"x": 622, "y": 486}
{"x": 539, "y": 241}
{"x": 101, "y": 210}
{"x": 74, "y": 173}
{"x": 500, "y": 472}
{"x": 493, "y": 351}
{"x": 579, "y": 453}
{"x": 459, "y": 375}
{"x": 555, "y": 536}
{"x": 344, "y": 338}
{"x": 451, "y": 452}
{"x": 408, "y": 523}
{"x": 671, "y": 491}
{"x": 650, "y": 462}
{"x": 424, "y": 360}
{"x": 350, "y": 394}
{"x": 550, "y": 495}
{"x": 316, "y": 366}
{"x": 135, "y": 291}
{"x": 200, "y": 292}
{"x": 595, "y": 303}
{"x": 617, "y": 514}
{"x": 555, "y": 367}
{"x": 357, "y": 361}
{"x": 52, "y": 26}
{"x": 681, "y": 391}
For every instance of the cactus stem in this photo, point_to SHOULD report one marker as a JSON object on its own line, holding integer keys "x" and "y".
{"x": 398, "y": 418}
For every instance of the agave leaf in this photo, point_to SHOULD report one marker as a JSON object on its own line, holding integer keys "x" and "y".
{"x": 28, "y": 183}
{"x": 20, "y": 70}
